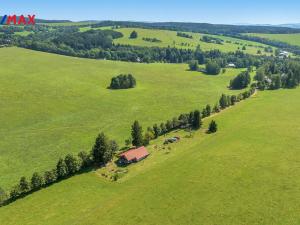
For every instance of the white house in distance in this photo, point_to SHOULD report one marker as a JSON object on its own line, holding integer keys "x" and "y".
{"x": 283, "y": 54}
{"x": 231, "y": 65}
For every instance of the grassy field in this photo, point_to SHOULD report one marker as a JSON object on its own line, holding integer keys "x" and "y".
{"x": 83, "y": 29}
{"x": 23, "y": 33}
{"x": 247, "y": 173}
{"x": 293, "y": 39}
{"x": 52, "y": 105}
{"x": 170, "y": 38}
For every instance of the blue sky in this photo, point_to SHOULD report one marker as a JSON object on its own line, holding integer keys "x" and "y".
{"x": 212, "y": 11}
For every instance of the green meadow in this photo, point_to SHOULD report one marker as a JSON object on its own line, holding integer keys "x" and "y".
{"x": 292, "y": 39}
{"x": 170, "y": 38}
{"x": 23, "y": 33}
{"x": 247, "y": 173}
{"x": 52, "y": 105}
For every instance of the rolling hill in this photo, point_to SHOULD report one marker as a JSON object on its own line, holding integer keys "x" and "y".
{"x": 247, "y": 173}
{"x": 52, "y": 105}
{"x": 170, "y": 38}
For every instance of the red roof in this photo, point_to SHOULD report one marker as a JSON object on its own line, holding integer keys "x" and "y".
{"x": 135, "y": 154}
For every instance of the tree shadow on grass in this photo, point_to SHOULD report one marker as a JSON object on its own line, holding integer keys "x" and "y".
{"x": 23, "y": 195}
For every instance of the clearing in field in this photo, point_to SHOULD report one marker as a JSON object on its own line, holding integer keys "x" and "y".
{"x": 247, "y": 173}
{"x": 52, "y": 105}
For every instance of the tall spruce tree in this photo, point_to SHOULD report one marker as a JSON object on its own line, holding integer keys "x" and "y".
{"x": 223, "y": 101}
{"x": 212, "y": 127}
{"x": 208, "y": 110}
{"x": 156, "y": 130}
{"x": 197, "y": 122}
{"x": 133, "y": 34}
{"x": 191, "y": 118}
{"x": 101, "y": 149}
{"x": 163, "y": 128}
{"x": 137, "y": 134}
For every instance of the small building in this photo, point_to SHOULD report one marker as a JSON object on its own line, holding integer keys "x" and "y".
{"x": 134, "y": 155}
{"x": 231, "y": 65}
{"x": 283, "y": 54}
{"x": 171, "y": 140}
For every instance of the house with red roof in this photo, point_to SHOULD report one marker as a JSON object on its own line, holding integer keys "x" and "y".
{"x": 134, "y": 155}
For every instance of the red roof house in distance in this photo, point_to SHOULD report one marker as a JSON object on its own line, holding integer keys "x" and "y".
{"x": 134, "y": 155}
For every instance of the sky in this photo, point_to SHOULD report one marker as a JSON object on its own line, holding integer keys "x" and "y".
{"x": 211, "y": 11}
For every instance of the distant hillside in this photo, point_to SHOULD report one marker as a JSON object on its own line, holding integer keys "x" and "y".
{"x": 203, "y": 27}
{"x": 291, "y": 25}
{"x": 52, "y": 21}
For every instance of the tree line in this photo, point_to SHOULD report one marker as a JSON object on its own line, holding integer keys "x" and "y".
{"x": 277, "y": 74}
{"x": 151, "y": 39}
{"x": 211, "y": 67}
{"x": 98, "y": 44}
{"x": 184, "y": 35}
{"x": 210, "y": 39}
{"x": 101, "y": 153}
{"x": 190, "y": 121}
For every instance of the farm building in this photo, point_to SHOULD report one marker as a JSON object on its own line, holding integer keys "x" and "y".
{"x": 283, "y": 54}
{"x": 134, "y": 155}
{"x": 231, "y": 65}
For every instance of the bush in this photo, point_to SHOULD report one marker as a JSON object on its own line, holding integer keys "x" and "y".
{"x": 15, "y": 192}
{"x": 241, "y": 81}
{"x": 24, "y": 185}
{"x": 193, "y": 65}
{"x": 212, "y": 68}
{"x": 133, "y": 34}
{"x": 73, "y": 163}
{"x": 85, "y": 159}
{"x": 185, "y": 35}
{"x": 213, "y": 127}
{"x": 37, "y": 181}
{"x": 50, "y": 177}
{"x": 61, "y": 169}
{"x": 3, "y": 196}
{"x": 122, "y": 82}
